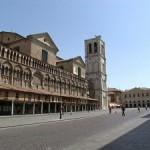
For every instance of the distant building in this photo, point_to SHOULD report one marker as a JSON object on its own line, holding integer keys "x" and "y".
{"x": 136, "y": 97}
{"x": 96, "y": 70}
{"x": 34, "y": 80}
{"x": 114, "y": 97}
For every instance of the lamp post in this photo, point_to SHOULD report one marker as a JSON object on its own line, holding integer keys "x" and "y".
{"x": 60, "y": 102}
{"x": 87, "y": 94}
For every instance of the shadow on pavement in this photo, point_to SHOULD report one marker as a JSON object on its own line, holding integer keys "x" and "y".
{"x": 137, "y": 139}
{"x": 147, "y": 116}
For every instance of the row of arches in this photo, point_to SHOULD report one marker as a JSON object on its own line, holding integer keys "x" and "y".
{"x": 31, "y": 78}
{"x": 34, "y": 63}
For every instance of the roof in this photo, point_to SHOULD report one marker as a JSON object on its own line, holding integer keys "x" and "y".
{"x": 12, "y": 33}
{"x": 113, "y": 90}
{"x": 137, "y": 89}
{"x": 72, "y": 59}
{"x": 43, "y": 34}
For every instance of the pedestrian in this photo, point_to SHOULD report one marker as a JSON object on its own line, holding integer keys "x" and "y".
{"x": 138, "y": 108}
{"x": 71, "y": 111}
{"x": 146, "y": 107}
{"x": 123, "y": 110}
{"x": 109, "y": 107}
{"x": 63, "y": 110}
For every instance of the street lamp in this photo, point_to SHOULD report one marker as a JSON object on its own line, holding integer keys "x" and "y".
{"x": 87, "y": 95}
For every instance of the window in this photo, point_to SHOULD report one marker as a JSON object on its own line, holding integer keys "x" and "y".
{"x": 125, "y": 96}
{"x": 90, "y": 48}
{"x": 6, "y": 94}
{"x": 61, "y": 67}
{"x": 17, "y": 48}
{"x": 95, "y": 47}
{"x": 44, "y": 56}
{"x": 38, "y": 97}
{"x": 29, "y": 96}
{"x": 102, "y": 50}
{"x": 46, "y": 98}
{"x": 79, "y": 71}
{"x": 17, "y": 95}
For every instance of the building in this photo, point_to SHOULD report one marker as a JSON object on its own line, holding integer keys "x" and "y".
{"x": 114, "y": 97}
{"x": 75, "y": 66}
{"x": 136, "y": 97}
{"x": 33, "y": 81}
{"x": 96, "y": 70}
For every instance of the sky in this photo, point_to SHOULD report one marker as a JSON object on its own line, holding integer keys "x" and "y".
{"x": 124, "y": 26}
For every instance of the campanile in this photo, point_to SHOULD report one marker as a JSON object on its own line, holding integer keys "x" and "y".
{"x": 96, "y": 70}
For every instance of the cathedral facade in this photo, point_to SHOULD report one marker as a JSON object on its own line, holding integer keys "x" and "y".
{"x": 34, "y": 80}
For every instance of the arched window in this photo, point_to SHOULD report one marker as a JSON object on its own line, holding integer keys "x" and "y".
{"x": 95, "y": 47}
{"x": 8, "y": 54}
{"x": 2, "y": 70}
{"x": 24, "y": 60}
{"x": 33, "y": 63}
{"x": 6, "y": 71}
{"x": 27, "y": 61}
{"x": 18, "y": 73}
{"x": 14, "y": 56}
{"x": 90, "y": 48}
{"x": 11, "y": 55}
{"x": 17, "y": 57}
{"x": 2, "y": 54}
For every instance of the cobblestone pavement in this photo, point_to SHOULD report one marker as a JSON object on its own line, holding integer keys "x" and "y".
{"x": 20, "y": 120}
{"x": 131, "y": 134}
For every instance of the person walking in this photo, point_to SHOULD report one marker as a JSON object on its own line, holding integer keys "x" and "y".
{"x": 109, "y": 109}
{"x": 138, "y": 108}
{"x": 123, "y": 110}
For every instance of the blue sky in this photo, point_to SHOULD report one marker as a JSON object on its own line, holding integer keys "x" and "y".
{"x": 123, "y": 24}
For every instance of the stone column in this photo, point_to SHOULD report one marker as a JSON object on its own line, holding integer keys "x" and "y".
{"x": 12, "y": 107}
{"x": 81, "y": 107}
{"x": 75, "y": 107}
{"x": 49, "y": 107}
{"x": 12, "y": 76}
{"x": 23, "y": 111}
{"x": 33, "y": 107}
{"x": 41, "y": 107}
{"x": 55, "y": 108}
{"x": 0, "y": 72}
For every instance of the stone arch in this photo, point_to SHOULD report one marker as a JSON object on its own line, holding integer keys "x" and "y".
{"x": 6, "y": 68}
{"x": 2, "y": 52}
{"x": 46, "y": 80}
{"x": 37, "y": 80}
{"x": 18, "y": 70}
{"x": 17, "y": 75}
{"x": 27, "y": 74}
